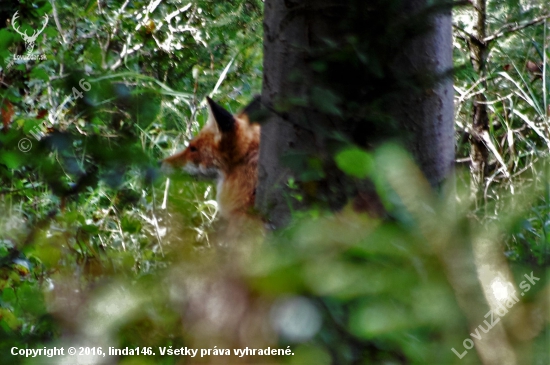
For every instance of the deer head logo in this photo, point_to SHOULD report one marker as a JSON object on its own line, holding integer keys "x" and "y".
{"x": 29, "y": 40}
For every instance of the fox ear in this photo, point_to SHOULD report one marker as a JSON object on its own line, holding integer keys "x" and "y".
{"x": 223, "y": 118}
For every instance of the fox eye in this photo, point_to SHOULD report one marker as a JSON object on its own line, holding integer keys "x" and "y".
{"x": 192, "y": 148}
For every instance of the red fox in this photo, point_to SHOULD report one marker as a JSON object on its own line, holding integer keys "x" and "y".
{"x": 226, "y": 149}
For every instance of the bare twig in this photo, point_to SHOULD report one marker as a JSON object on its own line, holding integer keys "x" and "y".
{"x": 509, "y": 28}
{"x": 57, "y": 23}
{"x": 467, "y": 35}
{"x": 165, "y": 199}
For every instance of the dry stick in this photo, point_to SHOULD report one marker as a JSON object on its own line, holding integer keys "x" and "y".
{"x": 466, "y": 33}
{"x": 544, "y": 70}
{"x": 157, "y": 232}
{"x": 508, "y": 28}
{"x": 165, "y": 199}
{"x": 467, "y": 94}
{"x": 107, "y": 45}
{"x": 57, "y": 23}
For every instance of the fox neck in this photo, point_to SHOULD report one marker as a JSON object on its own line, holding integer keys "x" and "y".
{"x": 236, "y": 190}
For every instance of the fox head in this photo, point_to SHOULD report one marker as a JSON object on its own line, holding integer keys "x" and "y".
{"x": 225, "y": 142}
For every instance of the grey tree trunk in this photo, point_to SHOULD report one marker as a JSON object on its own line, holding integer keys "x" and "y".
{"x": 288, "y": 34}
{"x": 331, "y": 69}
{"x": 429, "y": 117}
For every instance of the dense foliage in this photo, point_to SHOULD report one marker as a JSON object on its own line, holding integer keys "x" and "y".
{"x": 82, "y": 201}
{"x": 97, "y": 248}
{"x": 516, "y": 87}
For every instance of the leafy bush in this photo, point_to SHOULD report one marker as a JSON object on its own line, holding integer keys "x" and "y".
{"x": 98, "y": 249}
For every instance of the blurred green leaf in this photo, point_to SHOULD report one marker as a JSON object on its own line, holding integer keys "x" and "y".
{"x": 11, "y": 159}
{"x": 355, "y": 162}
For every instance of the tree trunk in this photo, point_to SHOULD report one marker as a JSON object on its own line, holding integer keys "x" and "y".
{"x": 479, "y": 50}
{"x": 333, "y": 70}
{"x": 291, "y": 28}
{"x": 429, "y": 116}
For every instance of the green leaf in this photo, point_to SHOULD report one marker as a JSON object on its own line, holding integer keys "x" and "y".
{"x": 48, "y": 255}
{"x": 91, "y": 229}
{"x": 306, "y": 166}
{"x": 8, "y": 295}
{"x": 374, "y": 319}
{"x": 5, "y": 246}
{"x": 30, "y": 299}
{"x": 6, "y": 38}
{"x": 355, "y": 162}
{"x": 11, "y": 159}
{"x": 326, "y": 101}
{"x": 8, "y": 320}
{"x": 39, "y": 73}
{"x": 131, "y": 225}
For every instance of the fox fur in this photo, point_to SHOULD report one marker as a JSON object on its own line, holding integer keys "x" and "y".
{"x": 226, "y": 149}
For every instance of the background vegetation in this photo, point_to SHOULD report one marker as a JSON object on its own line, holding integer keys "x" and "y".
{"x": 98, "y": 249}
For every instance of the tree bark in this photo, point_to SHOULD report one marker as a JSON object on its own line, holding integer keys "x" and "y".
{"x": 479, "y": 50}
{"x": 344, "y": 53}
{"x": 429, "y": 116}
{"x": 291, "y": 28}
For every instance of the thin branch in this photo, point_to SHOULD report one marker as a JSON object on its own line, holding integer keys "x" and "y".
{"x": 467, "y": 35}
{"x": 509, "y": 28}
{"x": 57, "y": 23}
